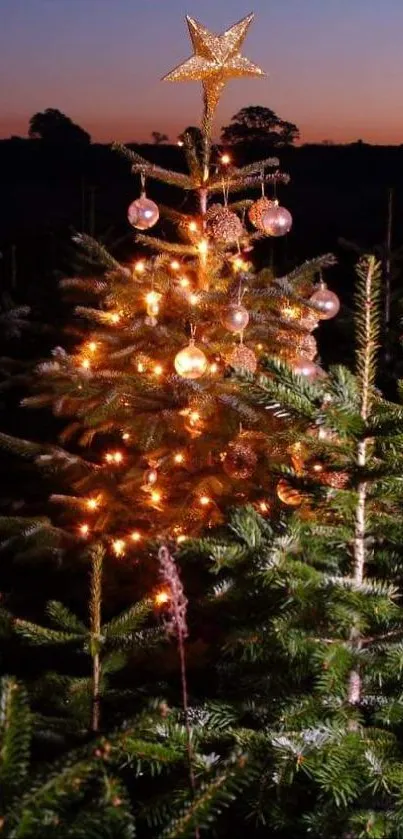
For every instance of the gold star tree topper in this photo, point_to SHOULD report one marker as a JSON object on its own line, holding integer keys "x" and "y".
{"x": 216, "y": 59}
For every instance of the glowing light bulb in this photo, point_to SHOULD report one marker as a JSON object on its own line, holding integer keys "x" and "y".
{"x": 239, "y": 264}
{"x": 153, "y": 303}
{"x": 140, "y": 267}
{"x": 135, "y": 536}
{"x": 184, "y": 282}
{"x": 179, "y": 457}
{"x": 193, "y": 226}
{"x": 202, "y": 247}
{"x": 92, "y": 503}
{"x": 115, "y": 317}
{"x": 225, "y": 159}
{"x": 161, "y": 597}
{"x": 156, "y": 496}
{"x": 84, "y": 529}
{"x": 193, "y": 299}
{"x": 86, "y": 364}
{"x": 126, "y": 436}
{"x": 140, "y": 367}
{"x": 158, "y": 370}
{"x": 152, "y": 297}
{"x": 263, "y": 507}
{"x": 175, "y": 265}
{"x": 179, "y": 143}
{"x": 181, "y": 538}
{"x": 204, "y": 500}
{"x": 119, "y": 546}
{"x": 194, "y": 416}
{"x": 92, "y": 346}
{"x": 259, "y": 346}
{"x": 118, "y": 457}
{"x": 109, "y": 457}
{"x": 213, "y": 367}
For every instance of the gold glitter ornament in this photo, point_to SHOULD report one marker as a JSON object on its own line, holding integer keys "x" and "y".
{"x": 240, "y": 460}
{"x": 216, "y": 59}
{"x": 257, "y": 210}
{"x": 242, "y": 358}
{"x": 224, "y": 226}
{"x": 307, "y": 347}
{"x": 288, "y": 494}
{"x": 190, "y": 363}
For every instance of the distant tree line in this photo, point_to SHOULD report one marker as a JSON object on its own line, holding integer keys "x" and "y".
{"x": 254, "y": 124}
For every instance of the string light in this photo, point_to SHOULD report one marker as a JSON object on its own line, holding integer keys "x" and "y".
{"x": 161, "y": 597}
{"x": 225, "y": 159}
{"x": 115, "y": 317}
{"x": 204, "y": 500}
{"x": 239, "y": 264}
{"x": 114, "y": 457}
{"x": 126, "y": 436}
{"x": 193, "y": 226}
{"x": 184, "y": 282}
{"x": 179, "y": 457}
{"x": 140, "y": 267}
{"x": 180, "y": 143}
{"x": 135, "y": 536}
{"x": 202, "y": 247}
{"x": 193, "y": 299}
{"x": 181, "y": 538}
{"x": 119, "y": 546}
{"x": 140, "y": 367}
{"x": 259, "y": 346}
{"x": 153, "y": 303}
{"x": 263, "y": 507}
{"x": 194, "y": 416}
{"x": 175, "y": 265}
{"x": 155, "y": 496}
{"x": 92, "y": 503}
{"x": 92, "y": 346}
{"x": 213, "y": 367}
{"x": 86, "y": 364}
{"x": 84, "y": 529}
{"x": 158, "y": 370}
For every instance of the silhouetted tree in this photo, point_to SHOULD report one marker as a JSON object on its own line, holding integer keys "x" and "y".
{"x": 54, "y": 127}
{"x": 159, "y": 138}
{"x": 257, "y": 124}
{"x": 194, "y": 133}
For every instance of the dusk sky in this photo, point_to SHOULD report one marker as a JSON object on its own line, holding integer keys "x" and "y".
{"x": 335, "y": 67}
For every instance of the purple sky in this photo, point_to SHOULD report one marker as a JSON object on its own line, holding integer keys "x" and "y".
{"x": 335, "y": 67}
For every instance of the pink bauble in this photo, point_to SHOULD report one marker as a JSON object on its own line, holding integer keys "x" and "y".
{"x": 190, "y": 363}
{"x": 143, "y": 213}
{"x": 235, "y": 317}
{"x": 277, "y": 221}
{"x": 327, "y": 302}
{"x": 304, "y": 367}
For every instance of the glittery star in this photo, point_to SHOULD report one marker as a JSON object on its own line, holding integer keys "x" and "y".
{"x": 216, "y": 59}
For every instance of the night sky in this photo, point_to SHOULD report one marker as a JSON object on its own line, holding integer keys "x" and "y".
{"x": 335, "y": 67}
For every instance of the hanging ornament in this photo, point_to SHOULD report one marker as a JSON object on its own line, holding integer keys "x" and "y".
{"x": 288, "y": 494}
{"x": 319, "y": 470}
{"x": 307, "y": 347}
{"x": 143, "y": 213}
{"x": 150, "y": 477}
{"x": 240, "y": 460}
{"x": 235, "y": 317}
{"x": 224, "y": 226}
{"x": 153, "y": 306}
{"x": 257, "y": 211}
{"x": 304, "y": 367}
{"x": 326, "y": 301}
{"x": 277, "y": 221}
{"x": 190, "y": 363}
{"x": 242, "y": 358}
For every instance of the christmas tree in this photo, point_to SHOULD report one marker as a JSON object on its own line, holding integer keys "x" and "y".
{"x": 307, "y": 695}
{"x": 165, "y": 433}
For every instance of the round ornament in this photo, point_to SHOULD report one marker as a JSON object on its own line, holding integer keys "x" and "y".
{"x": 224, "y": 226}
{"x": 335, "y": 480}
{"x": 150, "y": 477}
{"x": 326, "y": 301}
{"x": 304, "y": 367}
{"x": 276, "y": 221}
{"x": 242, "y": 358}
{"x": 190, "y": 363}
{"x": 288, "y": 494}
{"x": 143, "y": 213}
{"x": 257, "y": 211}
{"x": 240, "y": 460}
{"x": 235, "y": 317}
{"x": 307, "y": 347}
